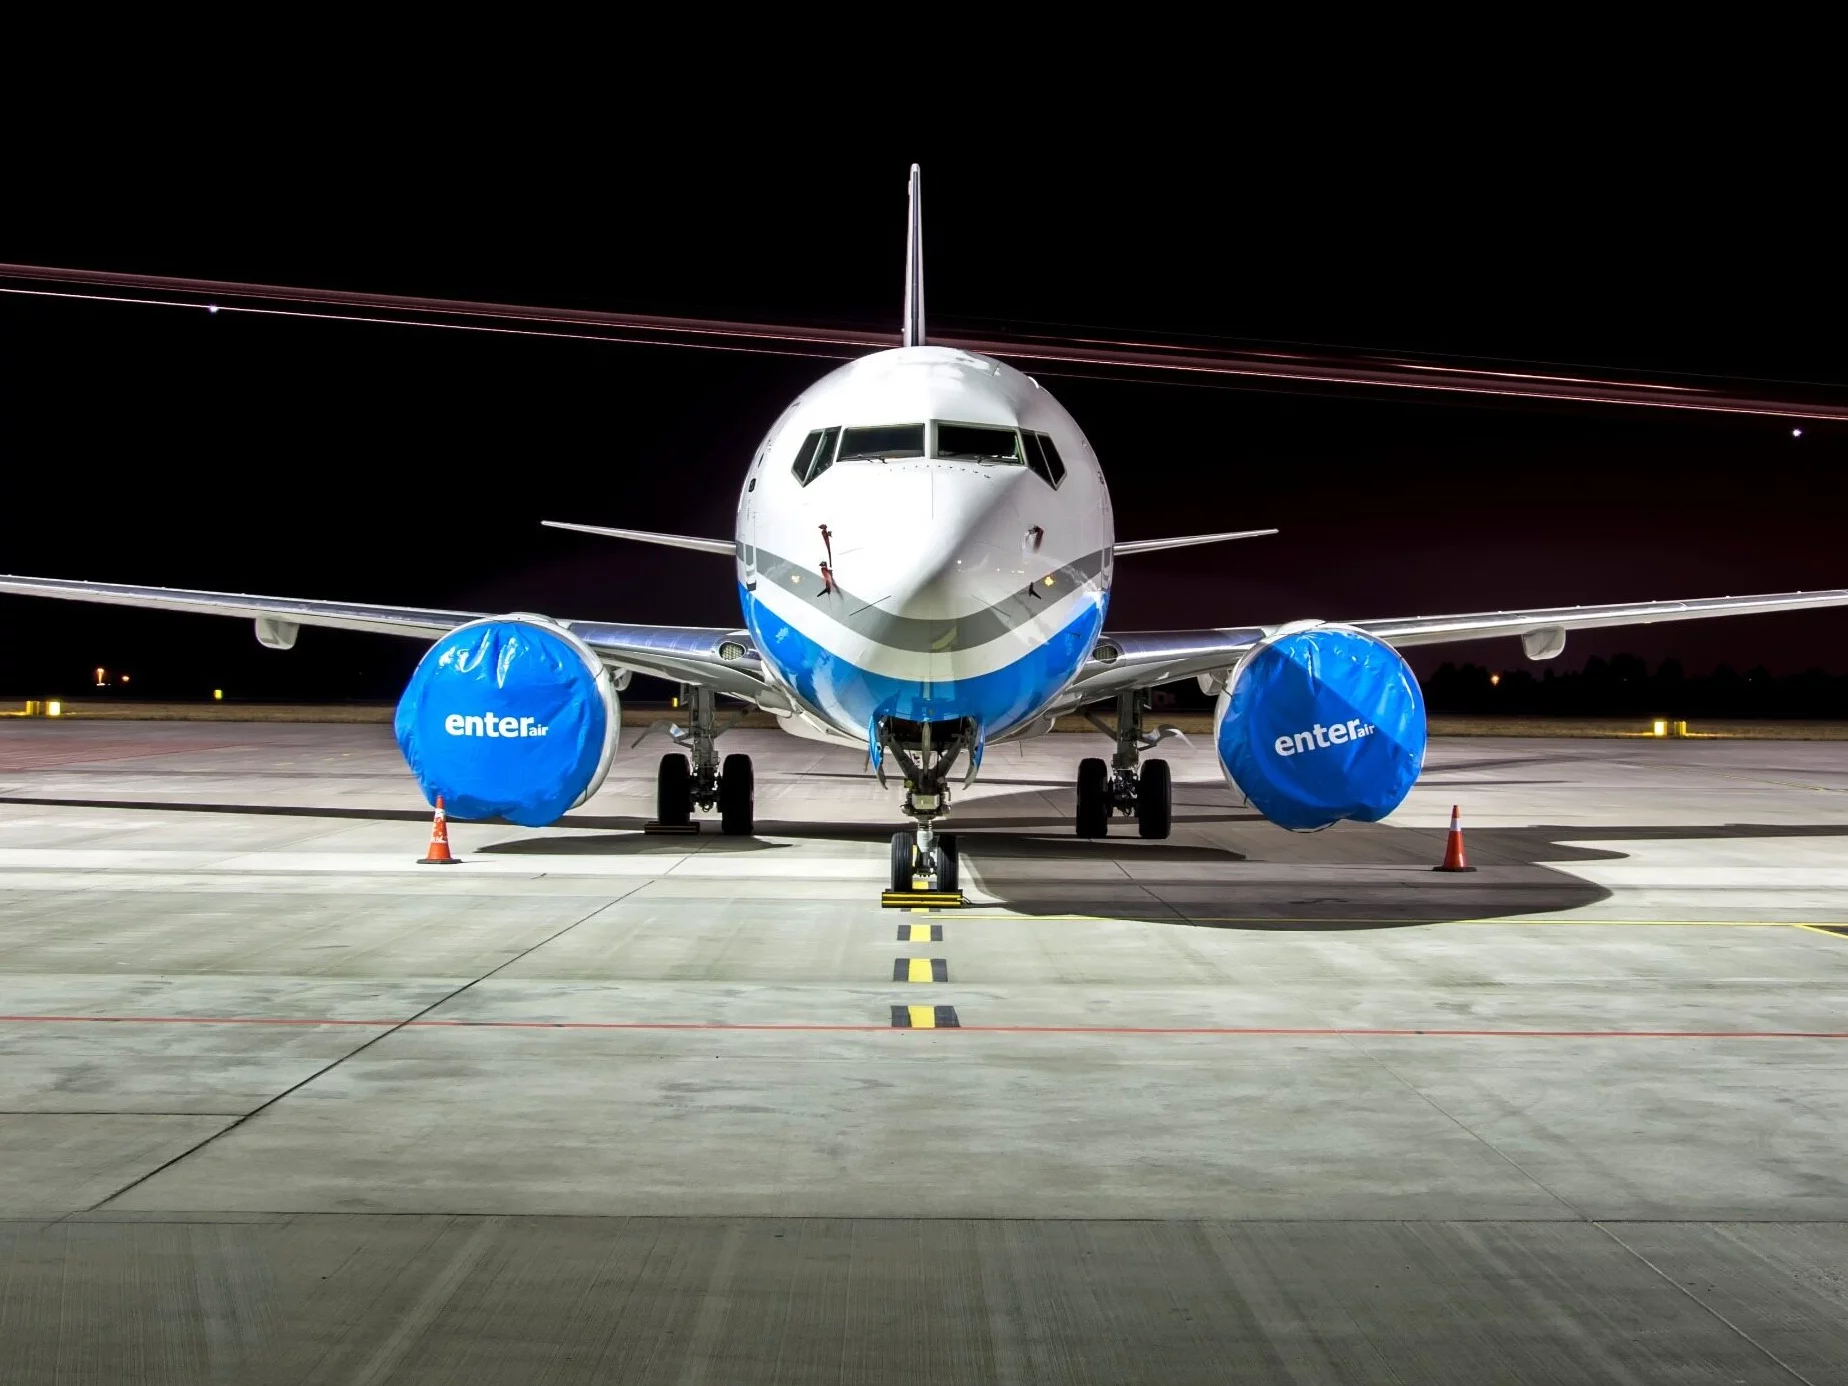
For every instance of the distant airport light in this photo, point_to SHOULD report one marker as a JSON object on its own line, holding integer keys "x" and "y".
{"x": 1494, "y": 679}
{"x": 125, "y": 678}
{"x": 101, "y": 674}
{"x": 54, "y": 708}
{"x": 218, "y": 695}
{"x": 1796, "y": 433}
{"x": 1661, "y": 726}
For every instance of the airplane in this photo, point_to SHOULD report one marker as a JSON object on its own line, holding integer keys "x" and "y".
{"x": 924, "y": 551}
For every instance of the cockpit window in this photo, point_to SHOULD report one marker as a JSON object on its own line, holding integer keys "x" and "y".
{"x": 953, "y": 442}
{"x": 975, "y": 443}
{"x": 881, "y": 443}
{"x": 1043, "y": 458}
{"x": 815, "y": 455}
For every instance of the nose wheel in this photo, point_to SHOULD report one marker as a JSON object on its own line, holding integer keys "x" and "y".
{"x": 940, "y": 862}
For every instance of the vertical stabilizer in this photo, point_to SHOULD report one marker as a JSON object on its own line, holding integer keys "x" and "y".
{"x": 914, "y": 265}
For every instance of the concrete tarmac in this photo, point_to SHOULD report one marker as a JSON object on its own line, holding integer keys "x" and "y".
{"x": 279, "y": 1105}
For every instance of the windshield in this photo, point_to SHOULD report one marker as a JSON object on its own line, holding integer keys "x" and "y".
{"x": 974, "y": 443}
{"x": 883, "y": 441}
{"x": 815, "y": 455}
{"x": 1043, "y": 457}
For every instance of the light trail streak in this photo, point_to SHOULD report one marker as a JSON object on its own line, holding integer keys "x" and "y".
{"x": 1141, "y": 359}
{"x": 413, "y": 322}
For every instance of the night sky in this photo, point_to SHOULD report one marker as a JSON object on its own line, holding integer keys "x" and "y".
{"x": 412, "y": 465}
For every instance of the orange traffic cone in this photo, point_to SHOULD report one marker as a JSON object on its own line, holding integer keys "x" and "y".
{"x": 439, "y": 840}
{"x": 1454, "y": 858}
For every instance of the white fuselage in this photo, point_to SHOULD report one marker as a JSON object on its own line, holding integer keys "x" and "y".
{"x": 954, "y": 581}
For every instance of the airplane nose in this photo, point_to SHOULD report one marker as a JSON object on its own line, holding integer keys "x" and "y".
{"x": 967, "y": 552}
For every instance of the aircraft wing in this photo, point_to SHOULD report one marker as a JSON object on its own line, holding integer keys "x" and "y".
{"x": 1145, "y": 659}
{"x": 1185, "y": 541}
{"x": 718, "y": 658}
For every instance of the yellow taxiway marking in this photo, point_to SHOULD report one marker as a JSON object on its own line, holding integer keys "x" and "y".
{"x": 920, "y": 970}
{"x": 925, "y": 1018}
{"x": 1832, "y": 930}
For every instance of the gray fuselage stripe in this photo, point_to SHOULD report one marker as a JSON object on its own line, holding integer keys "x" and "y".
{"x": 922, "y": 634}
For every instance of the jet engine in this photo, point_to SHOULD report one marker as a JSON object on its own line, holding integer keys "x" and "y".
{"x": 512, "y": 717}
{"x": 1321, "y": 724}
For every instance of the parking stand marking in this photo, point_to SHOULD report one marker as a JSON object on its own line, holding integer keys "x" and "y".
{"x": 920, "y": 970}
{"x": 924, "y": 1018}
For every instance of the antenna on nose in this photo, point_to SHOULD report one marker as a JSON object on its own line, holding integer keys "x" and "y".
{"x": 914, "y": 264}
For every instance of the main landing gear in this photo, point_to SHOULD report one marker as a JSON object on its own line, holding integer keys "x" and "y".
{"x": 1128, "y": 785}
{"x": 926, "y": 752}
{"x": 681, "y": 785}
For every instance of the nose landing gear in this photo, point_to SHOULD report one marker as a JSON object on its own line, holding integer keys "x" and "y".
{"x": 704, "y": 783}
{"x": 1129, "y": 785}
{"x": 926, "y": 752}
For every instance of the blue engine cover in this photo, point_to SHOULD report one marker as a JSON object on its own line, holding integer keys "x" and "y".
{"x": 510, "y": 718}
{"x": 1320, "y": 725}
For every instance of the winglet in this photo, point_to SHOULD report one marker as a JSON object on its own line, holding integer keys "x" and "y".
{"x": 914, "y": 265}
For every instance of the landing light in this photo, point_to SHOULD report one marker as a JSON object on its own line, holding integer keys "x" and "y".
{"x": 1048, "y": 579}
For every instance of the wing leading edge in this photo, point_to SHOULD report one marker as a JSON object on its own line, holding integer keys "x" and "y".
{"x": 726, "y": 660}
{"x": 714, "y": 656}
{"x": 1145, "y": 659}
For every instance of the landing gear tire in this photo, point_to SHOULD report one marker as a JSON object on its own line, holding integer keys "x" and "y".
{"x": 1154, "y": 798}
{"x": 949, "y": 864}
{"x": 673, "y": 792}
{"x": 737, "y": 796}
{"x": 904, "y": 850}
{"x": 1093, "y": 798}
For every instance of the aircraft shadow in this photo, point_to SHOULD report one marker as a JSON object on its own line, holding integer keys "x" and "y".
{"x": 1356, "y": 876}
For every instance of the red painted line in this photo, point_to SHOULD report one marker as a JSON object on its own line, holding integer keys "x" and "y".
{"x": 1233, "y": 1031}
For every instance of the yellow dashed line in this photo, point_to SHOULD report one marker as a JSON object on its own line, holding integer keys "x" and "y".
{"x": 925, "y": 1018}
{"x": 920, "y": 970}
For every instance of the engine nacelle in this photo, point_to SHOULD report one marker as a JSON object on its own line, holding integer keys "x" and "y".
{"x": 1319, "y": 725}
{"x": 513, "y": 717}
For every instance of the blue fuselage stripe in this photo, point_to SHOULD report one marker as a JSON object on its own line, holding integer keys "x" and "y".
{"x": 851, "y": 697}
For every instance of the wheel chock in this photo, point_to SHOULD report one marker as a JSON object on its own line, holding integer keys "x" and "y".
{"x": 922, "y": 899}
